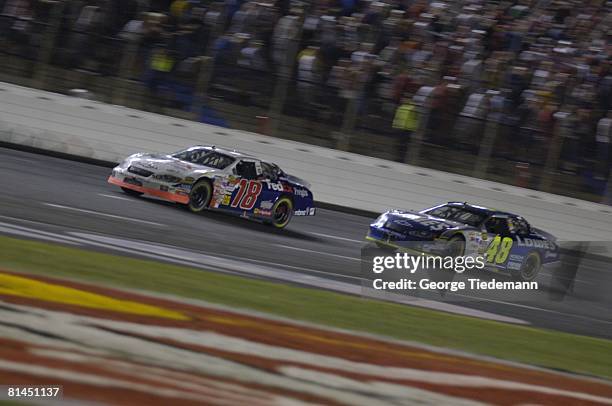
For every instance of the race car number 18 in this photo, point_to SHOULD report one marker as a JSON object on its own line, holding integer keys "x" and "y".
{"x": 248, "y": 192}
{"x": 499, "y": 249}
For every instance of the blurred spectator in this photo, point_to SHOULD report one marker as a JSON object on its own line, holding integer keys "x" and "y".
{"x": 286, "y": 30}
{"x": 521, "y": 61}
{"x": 405, "y": 122}
{"x": 158, "y": 75}
{"x": 309, "y": 77}
{"x": 17, "y": 29}
{"x": 252, "y": 56}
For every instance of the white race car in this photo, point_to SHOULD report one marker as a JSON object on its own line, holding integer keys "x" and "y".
{"x": 206, "y": 177}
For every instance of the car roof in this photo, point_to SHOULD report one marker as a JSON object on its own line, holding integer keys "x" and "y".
{"x": 231, "y": 152}
{"x": 481, "y": 209}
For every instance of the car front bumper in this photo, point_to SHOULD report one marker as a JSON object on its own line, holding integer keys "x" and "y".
{"x": 122, "y": 178}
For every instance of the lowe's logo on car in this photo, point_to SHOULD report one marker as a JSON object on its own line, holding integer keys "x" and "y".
{"x": 528, "y": 242}
{"x": 300, "y": 192}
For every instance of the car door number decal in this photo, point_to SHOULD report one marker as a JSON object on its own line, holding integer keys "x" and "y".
{"x": 248, "y": 192}
{"x": 499, "y": 249}
{"x": 433, "y": 225}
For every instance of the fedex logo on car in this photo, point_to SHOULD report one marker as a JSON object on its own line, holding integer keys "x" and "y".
{"x": 278, "y": 186}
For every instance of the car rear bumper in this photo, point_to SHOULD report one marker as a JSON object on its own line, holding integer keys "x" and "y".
{"x": 175, "y": 196}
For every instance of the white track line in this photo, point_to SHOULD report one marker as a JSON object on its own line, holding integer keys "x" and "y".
{"x": 317, "y": 252}
{"x": 542, "y": 309}
{"x": 35, "y": 235}
{"x": 230, "y": 266}
{"x": 116, "y": 197}
{"x": 97, "y": 213}
{"x": 335, "y": 237}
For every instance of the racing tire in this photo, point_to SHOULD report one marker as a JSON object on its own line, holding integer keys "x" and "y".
{"x": 282, "y": 211}
{"x": 456, "y": 246}
{"x": 530, "y": 268}
{"x": 200, "y": 195}
{"x": 131, "y": 192}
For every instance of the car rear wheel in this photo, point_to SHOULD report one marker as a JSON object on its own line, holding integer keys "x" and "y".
{"x": 131, "y": 192}
{"x": 530, "y": 269}
{"x": 200, "y": 195}
{"x": 282, "y": 211}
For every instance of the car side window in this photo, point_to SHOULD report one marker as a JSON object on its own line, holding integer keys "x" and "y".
{"x": 520, "y": 226}
{"x": 246, "y": 169}
{"x": 497, "y": 225}
{"x": 269, "y": 171}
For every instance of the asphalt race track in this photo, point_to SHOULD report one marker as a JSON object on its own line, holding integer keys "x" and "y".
{"x": 71, "y": 202}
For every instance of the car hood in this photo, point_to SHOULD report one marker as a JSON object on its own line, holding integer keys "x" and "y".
{"x": 166, "y": 165}
{"x": 408, "y": 221}
{"x": 297, "y": 181}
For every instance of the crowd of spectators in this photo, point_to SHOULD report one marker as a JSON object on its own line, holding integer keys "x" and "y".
{"x": 539, "y": 68}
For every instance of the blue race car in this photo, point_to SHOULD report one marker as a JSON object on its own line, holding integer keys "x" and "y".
{"x": 507, "y": 241}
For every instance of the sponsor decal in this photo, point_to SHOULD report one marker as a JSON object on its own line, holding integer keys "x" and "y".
{"x": 278, "y": 186}
{"x": 262, "y": 213}
{"x": 300, "y": 192}
{"x": 402, "y": 222}
{"x": 514, "y": 265}
{"x": 266, "y": 204}
{"x": 226, "y": 200}
{"x": 474, "y": 236}
{"x": 308, "y": 211}
{"x": 530, "y": 242}
{"x": 515, "y": 257}
{"x": 550, "y": 254}
{"x": 163, "y": 188}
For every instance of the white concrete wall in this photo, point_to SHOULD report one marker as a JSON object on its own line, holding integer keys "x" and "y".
{"x": 96, "y": 130}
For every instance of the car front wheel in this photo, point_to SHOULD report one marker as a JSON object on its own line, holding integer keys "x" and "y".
{"x": 456, "y": 246}
{"x": 282, "y": 211}
{"x": 131, "y": 192}
{"x": 200, "y": 195}
{"x": 530, "y": 269}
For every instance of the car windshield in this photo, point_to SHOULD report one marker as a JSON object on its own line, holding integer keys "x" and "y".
{"x": 206, "y": 157}
{"x": 459, "y": 214}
